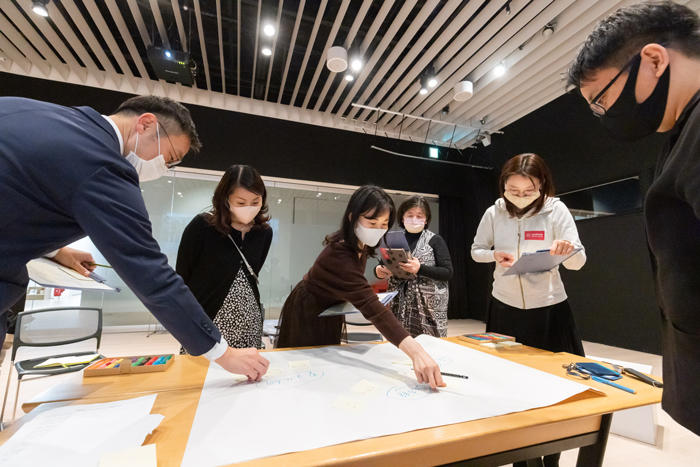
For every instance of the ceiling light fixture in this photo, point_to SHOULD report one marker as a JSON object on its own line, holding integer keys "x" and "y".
{"x": 432, "y": 82}
{"x": 349, "y": 77}
{"x": 356, "y": 64}
{"x": 463, "y": 90}
{"x": 337, "y": 59}
{"x": 266, "y": 51}
{"x": 499, "y": 70}
{"x": 423, "y": 91}
{"x": 269, "y": 30}
{"x": 40, "y": 7}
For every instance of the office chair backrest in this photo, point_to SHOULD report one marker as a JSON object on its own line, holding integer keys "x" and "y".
{"x": 57, "y": 326}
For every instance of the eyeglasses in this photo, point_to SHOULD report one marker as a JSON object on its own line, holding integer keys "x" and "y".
{"x": 597, "y": 109}
{"x": 175, "y": 162}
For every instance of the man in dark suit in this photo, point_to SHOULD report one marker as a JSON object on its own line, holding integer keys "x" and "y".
{"x": 640, "y": 73}
{"x": 69, "y": 172}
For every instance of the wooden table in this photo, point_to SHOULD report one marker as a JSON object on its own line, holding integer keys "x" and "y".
{"x": 582, "y": 421}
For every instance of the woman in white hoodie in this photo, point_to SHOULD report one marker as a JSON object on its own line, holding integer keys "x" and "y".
{"x": 532, "y": 307}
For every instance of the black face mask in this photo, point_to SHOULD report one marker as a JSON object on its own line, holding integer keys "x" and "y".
{"x": 628, "y": 120}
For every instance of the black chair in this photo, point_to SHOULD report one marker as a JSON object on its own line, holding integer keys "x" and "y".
{"x": 51, "y": 327}
{"x": 357, "y": 319}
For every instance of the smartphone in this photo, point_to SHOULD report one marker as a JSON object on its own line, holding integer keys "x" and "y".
{"x": 599, "y": 370}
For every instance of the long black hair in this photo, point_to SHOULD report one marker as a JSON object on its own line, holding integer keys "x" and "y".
{"x": 369, "y": 201}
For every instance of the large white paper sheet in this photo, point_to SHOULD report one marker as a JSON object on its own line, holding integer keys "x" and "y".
{"x": 79, "y": 435}
{"x": 319, "y": 397}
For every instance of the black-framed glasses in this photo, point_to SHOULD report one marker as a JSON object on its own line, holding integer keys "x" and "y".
{"x": 170, "y": 164}
{"x": 597, "y": 109}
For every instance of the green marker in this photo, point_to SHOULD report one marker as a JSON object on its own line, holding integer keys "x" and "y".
{"x": 139, "y": 361}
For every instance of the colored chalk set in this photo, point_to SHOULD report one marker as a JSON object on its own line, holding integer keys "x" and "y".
{"x": 123, "y": 365}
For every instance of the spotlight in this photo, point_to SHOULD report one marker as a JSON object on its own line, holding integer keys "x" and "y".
{"x": 269, "y": 30}
{"x": 499, "y": 71}
{"x": 349, "y": 77}
{"x": 423, "y": 91}
{"x": 337, "y": 59}
{"x": 168, "y": 54}
{"x": 434, "y": 153}
{"x": 266, "y": 51}
{"x": 356, "y": 64}
{"x": 486, "y": 139}
{"x": 432, "y": 82}
{"x": 548, "y": 30}
{"x": 39, "y": 7}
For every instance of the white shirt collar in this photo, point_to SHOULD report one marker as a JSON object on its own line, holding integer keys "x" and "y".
{"x": 119, "y": 134}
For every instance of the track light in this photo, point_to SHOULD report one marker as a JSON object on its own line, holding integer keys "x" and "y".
{"x": 432, "y": 82}
{"x": 269, "y": 30}
{"x": 40, "y": 7}
{"x": 423, "y": 91}
{"x": 499, "y": 70}
{"x": 349, "y": 77}
{"x": 486, "y": 139}
{"x": 266, "y": 51}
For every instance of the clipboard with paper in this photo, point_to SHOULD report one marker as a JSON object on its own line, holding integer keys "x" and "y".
{"x": 48, "y": 273}
{"x": 347, "y": 308}
{"x": 539, "y": 261}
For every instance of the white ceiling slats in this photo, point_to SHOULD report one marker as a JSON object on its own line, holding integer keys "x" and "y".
{"x": 102, "y": 43}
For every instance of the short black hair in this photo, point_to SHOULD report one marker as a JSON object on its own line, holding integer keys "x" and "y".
{"x": 174, "y": 116}
{"x": 624, "y": 33}
{"x": 369, "y": 201}
{"x": 415, "y": 201}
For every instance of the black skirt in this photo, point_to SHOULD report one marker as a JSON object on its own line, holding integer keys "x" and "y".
{"x": 300, "y": 325}
{"x": 549, "y": 328}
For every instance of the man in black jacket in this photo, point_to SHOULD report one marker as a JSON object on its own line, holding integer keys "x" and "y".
{"x": 68, "y": 172}
{"x": 640, "y": 73}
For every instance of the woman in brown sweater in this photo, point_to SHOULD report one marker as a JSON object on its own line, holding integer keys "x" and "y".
{"x": 338, "y": 276}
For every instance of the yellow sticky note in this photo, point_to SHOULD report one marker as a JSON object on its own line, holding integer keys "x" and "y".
{"x": 363, "y": 387}
{"x": 142, "y": 456}
{"x": 348, "y": 404}
{"x": 300, "y": 365}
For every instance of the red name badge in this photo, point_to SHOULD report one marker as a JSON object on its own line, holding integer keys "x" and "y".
{"x": 534, "y": 235}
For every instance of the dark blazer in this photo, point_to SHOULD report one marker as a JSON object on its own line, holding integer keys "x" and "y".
{"x": 62, "y": 177}
{"x": 209, "y": 262}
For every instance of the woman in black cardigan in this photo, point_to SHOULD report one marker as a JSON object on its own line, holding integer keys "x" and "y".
{"x": 222, "y": 252}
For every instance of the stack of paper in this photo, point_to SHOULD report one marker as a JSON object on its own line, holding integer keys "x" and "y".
{"x": 80, "y": 435}
{"x": 68, "y": 361}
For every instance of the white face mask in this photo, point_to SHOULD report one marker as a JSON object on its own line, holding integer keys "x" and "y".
{"x": 521, "y": 202}
{"x": 148, "y": 170}
{"x": 413, "y": 224}
{"x": 245, "y": 214}
{"x": 370, "y": 237}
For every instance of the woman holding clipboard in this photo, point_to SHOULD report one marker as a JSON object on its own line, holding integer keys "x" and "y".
{"x": 338, "y": 275}
{"x": 531, "y": 307}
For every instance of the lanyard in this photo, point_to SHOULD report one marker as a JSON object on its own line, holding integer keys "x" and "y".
{"x": 247, "y": 265}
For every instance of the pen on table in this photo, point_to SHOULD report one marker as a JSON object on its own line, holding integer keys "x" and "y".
{"x": 454, "y": 375}
{"x": 618, "y": 386}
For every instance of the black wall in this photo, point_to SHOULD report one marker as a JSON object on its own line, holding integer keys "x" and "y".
{"x": 293, "y": 150}
{"x": 613, "y": 295}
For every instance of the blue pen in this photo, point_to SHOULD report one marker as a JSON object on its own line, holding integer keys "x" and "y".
{"x": 542, "y": 251}
{"x": 618, "y": 386}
